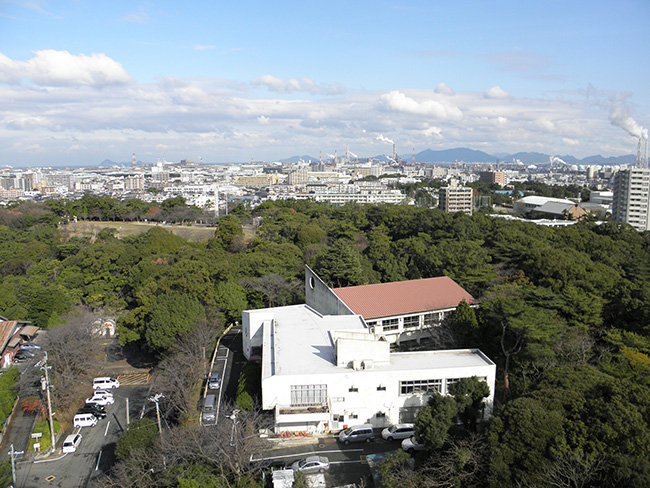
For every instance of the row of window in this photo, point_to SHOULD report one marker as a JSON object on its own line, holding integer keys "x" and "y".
{"x": 409, "y": 322}
{"x": 305, "y": 395}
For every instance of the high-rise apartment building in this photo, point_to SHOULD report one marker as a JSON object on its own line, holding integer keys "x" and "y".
{"x": 631, "y": 198}
{"x": 455, "y": 199}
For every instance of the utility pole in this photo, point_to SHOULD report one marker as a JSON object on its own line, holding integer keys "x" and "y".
{"x": 45, "y": 368}
{"x": 127, "y": 411}
{"x": 156, "y": 398}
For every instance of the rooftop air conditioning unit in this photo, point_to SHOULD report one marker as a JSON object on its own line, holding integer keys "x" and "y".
{"x": 367, "y": 364}
{"x": 357, "y": 365}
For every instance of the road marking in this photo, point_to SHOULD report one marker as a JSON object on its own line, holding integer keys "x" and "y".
{"x": 134, "y": 379}
{"x": 98, "y": 458}
{"x": 305, "y": 453}
{"x": 106, "y": 431}
{"x": 50, "y": 478}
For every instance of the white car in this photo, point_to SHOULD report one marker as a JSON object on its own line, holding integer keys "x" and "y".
{"x": 105, "y": 383}
{"x": 411, "y": 445}
{"x": 102, "y": 393}
{"x": 399, "y": 431}
{"x": 101, "y": 400}
{"x": 71, "y": 443}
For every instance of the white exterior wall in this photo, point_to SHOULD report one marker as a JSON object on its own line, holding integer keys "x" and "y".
{"x": 362, "y": 406}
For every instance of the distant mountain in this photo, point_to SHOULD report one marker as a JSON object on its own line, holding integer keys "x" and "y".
{"x": 296, "y": 159}
{"x": 528, "y": 157}
{"x": 611, "y": 161}
{"x": 107, "y": 162}
{"x": 451, "y": 155}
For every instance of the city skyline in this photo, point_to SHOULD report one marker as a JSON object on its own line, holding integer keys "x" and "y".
{"x": 80, "y": 84}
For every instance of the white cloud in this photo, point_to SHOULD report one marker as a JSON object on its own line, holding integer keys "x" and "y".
{"x": 570, "y": 142}
{"x": 496, "y": 92}
{"x": 263, "y": 120}
{"x": 60, "y": 68}
{"x": 292, "y": 85}
{"x": 434, "y": 132}
{"x": 444, "y": 89}
{"x": 139, "y": 16}
{"x": 201, "y": 47}
{"x": 399, "y": 102}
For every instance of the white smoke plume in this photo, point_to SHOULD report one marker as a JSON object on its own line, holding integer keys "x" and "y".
{"x": 330, "y": 155}
{"x": 352, "y": 155}
{"x": 555, "y": 159}
{"x": 620, "y": 117}
{"x": 384, "y": 139}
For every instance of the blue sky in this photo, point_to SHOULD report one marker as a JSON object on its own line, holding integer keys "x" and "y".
{"x": 81, "y": 81}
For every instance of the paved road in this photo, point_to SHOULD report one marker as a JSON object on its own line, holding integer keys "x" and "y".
{"x": 94, "y": 455}
{"x": 348, "y": 464}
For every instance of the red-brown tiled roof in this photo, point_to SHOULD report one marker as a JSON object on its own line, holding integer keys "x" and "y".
{"x": 403, "y": 297}
{"x": 7, "y": 329}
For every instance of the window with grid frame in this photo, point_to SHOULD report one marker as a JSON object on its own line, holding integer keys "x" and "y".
{"x": 390, "y": 324}
{"x": 431, "y": 319}
{"x": 308, "y": 395}
{"x": 410, "y": 387}
{"x": 411, "y": 322}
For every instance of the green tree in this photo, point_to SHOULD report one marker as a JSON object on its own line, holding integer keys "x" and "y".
{"x": 170, "y": 316}
{"x": 469, "y": 394}
{"x": 340, "y": 265}
{"x": 434, "y": 420}
{"x": 141, "y": 434}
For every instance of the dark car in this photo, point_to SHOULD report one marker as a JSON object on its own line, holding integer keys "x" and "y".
{"x": 23, "y": 356}
{"x": 96, "y": 410}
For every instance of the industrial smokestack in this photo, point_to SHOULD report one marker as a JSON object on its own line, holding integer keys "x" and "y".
{"x": 394, "y": 153}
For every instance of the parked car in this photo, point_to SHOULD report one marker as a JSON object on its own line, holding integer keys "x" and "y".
{"x": 84, "y": 420}
{"x": 105, "y": 383}
{"x": 398, "y": 431}
{"x": 214, "y": 381}
{"x": 312, "y": 464}
{"x": 357, "y": 433}
{"x": 101, "y": 400}
{"x": 97, "y": 410}
{"x": 103, "y": 392}
{"x": 71, "y": 443}
{"x": 21, "y": 356}
{"x": 29, "y": 346}
{"x": 411, "y": 445}
{"x": 209, "y": 409}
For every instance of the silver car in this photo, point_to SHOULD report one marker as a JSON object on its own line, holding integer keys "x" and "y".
{"x": 399, "y": 431}
{"x": 312, "y": 464}
{"x": 411, "y": 445}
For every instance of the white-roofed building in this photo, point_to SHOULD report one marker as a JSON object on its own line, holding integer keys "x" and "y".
{"x": 323, "y": 372}
{"x": 525, "y": 205}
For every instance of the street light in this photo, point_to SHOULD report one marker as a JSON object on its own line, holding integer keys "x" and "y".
{"x": 233, "y": 417}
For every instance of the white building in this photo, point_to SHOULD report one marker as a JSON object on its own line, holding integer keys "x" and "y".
{"x": 632, "y": 197}
{"x": 323, "y": 372}
{"x": 525, "y": 205}
{"x": 456, "y": 199}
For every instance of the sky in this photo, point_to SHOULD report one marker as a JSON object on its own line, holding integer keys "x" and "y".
{"x": 86, "y": 80}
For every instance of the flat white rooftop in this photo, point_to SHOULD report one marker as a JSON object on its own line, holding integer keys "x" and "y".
{"x": 299, "y": 342}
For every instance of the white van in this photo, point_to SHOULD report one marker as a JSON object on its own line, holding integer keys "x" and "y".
{"x": 209, "y": 405}
{"x": 71, "y": 443}
{"x": 105, "y": 383}
{"x": 84, "y": 420}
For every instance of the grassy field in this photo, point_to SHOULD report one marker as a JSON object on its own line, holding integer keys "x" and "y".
{"x": 90, "y": 229}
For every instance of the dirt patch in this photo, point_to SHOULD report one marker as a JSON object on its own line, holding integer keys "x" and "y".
{"x": 84, "y": 228}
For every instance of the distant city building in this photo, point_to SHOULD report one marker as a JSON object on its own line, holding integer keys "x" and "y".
{"x": 498, "y": 177}
{"x": 257, "y": 181}
{"x": 631, "y": 198}
{"x": 134, "y": 182}
{"x": 453, "y": 199}
{"x": 342, "y": 194}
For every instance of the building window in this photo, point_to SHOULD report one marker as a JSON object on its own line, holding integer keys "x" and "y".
{"x": 354, "y": 416}
{"x": 419, "y": 386}
{"x": 338, "y": 399}
{"x": 380, "y": 415}
{"x": 308, "y": 395}
{"x": 431, "y": 319}
{"x": 371, "y": 326}
{"x": 390, "y": 324}
{"x": 381, "y": 388}
{"x": 411, "y": 322}
{"x": 338, "y": 418}
{"x": 353, "y": 389}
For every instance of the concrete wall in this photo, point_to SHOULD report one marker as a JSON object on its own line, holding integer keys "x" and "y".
{"x": 321, "y": 298}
